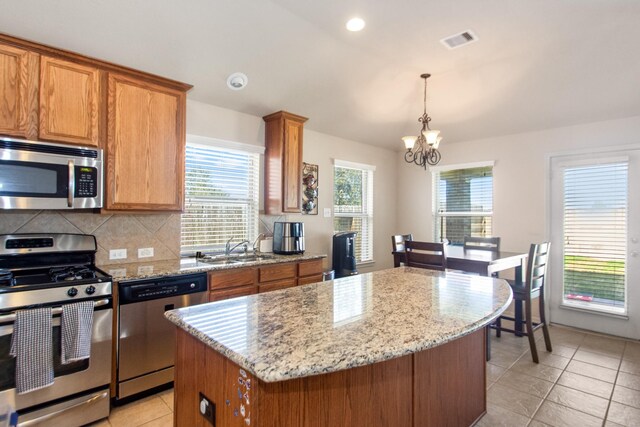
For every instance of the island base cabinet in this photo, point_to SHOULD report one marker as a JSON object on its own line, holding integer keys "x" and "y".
{"x": 442, "y": 386}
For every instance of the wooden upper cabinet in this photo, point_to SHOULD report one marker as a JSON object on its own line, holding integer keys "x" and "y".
{"x": 18, "y": 92}
{"x": 70, "y": 102}
{"x": 283, "y": 162}
{"x": 145, "y": 145}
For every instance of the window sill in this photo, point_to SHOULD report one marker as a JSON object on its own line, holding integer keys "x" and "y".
{"x": 592, "y": 310}
{"x": 365, "y": 263}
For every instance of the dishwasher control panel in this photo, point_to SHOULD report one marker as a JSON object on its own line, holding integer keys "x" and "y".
{"x": 163, "y": 287}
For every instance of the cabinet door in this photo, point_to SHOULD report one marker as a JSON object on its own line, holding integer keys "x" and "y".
{"x": 277, "y": 272}
{"x": 240, "y": 291}
{"x": 276, "y": 285}
{"x": 69, "y": 102}
{"x": 292, "y": 167}
{"x": 145, "y": 145}
{"x": 18, "y": 92}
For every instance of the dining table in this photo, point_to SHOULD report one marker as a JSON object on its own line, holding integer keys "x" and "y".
{"x": 483, "y": 263}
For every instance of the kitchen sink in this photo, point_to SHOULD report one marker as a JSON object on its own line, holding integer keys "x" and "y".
{"x": 233, "y": 259}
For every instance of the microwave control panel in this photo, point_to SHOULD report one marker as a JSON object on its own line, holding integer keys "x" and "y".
{"x": 86, "y": 181}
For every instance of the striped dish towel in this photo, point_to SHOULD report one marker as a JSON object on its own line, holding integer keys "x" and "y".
{"x": 76, "y": 327}
{"x": 32, "y": 347}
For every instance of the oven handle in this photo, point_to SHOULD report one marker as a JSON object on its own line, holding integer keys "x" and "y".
{"x": 72, "y": 184}
{"x": 57, "y": 310}
{"x": 39, "y": 420}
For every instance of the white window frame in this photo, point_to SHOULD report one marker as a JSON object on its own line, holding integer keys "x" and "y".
{"x": 434, "y": 192}
{"x": 367, "y": 203}
{"x": 229, "y": 146}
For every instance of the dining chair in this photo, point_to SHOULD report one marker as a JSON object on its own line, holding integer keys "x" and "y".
{"x": 482, "y": 243}
{"x": 532, "y": 288}
{"x": 425, "y": 255}
{"x": 397, "y": 241}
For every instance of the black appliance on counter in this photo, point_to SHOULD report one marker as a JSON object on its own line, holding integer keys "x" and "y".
{"x": 51, "y": 270}
{"x": 288, "y": 238}
{"x": 344, "y": 256}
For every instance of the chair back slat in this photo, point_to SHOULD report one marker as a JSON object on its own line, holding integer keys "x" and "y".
{"x": 537, "y": 266}
{"x": 482, "y": 243}
{"x": 425, "y": 255}
{"x": 398, "y": 240}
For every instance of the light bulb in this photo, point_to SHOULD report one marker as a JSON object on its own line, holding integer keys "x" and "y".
{"x": 437, "y": 144}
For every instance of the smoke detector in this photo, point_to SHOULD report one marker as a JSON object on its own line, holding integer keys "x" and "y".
{"x": 461, "y": 39}
{"x": 237, "y": 81}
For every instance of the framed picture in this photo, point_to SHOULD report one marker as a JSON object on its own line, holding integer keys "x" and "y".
{"x": 309, "y": 189}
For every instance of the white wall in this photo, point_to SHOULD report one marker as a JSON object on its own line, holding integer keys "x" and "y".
{"x": 321, "y": 149}
{"x": 520, "y": 174}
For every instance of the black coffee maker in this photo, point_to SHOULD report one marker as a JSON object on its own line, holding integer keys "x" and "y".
{"x": 344, "y": 256}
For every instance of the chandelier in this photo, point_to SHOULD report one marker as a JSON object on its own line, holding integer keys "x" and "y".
{"x": 423, "y": 149}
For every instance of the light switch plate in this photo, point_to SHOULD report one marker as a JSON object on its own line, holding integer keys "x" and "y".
{"x": 327, "y": 212}
{"x": 118, "y": 254}
{"x": 145, "y": 252}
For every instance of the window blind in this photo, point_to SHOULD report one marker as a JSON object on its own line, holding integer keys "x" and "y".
{"x": 221, "y": 198}
{"x": 463, "y": 202}
{"x": 595, "y": 236}
{"x": 353, "y": 207}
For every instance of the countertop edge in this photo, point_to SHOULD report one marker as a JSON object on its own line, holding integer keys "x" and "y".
{"x": 147, "y": 270}
{"x": 359, "y": 360}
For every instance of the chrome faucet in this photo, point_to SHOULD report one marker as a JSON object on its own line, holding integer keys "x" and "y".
{"x": 228, "y": 248}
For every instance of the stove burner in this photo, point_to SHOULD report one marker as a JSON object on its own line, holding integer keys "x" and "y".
{"x": 6, "y": 278}
{"x": 59, "y": 274}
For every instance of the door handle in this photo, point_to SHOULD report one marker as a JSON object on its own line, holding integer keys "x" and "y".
{"x": 72, "y": 184}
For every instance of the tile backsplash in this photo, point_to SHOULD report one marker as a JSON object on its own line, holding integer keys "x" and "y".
{"x": 160, "y": 231}
{"x": 118, "y": 231}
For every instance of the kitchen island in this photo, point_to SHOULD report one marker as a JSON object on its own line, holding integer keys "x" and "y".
{"x": 398, "y": 347}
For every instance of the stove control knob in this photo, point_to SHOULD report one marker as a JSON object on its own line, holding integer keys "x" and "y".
{"x": 72, "y": 292}
{"x": 90, "y": 290}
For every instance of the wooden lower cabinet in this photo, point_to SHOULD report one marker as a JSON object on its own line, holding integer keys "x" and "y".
{"x": 276, "y": 285}
{"x": 235, "y": 282}
{"x": 310, "y": 279}
{"x": 441, "y": 386}
{"x": 240, "y": 291}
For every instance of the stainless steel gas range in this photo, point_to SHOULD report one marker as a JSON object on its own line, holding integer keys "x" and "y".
{"x": 50, "y": 270}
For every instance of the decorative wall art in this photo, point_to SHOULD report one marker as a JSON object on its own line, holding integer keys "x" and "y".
{"x": 309, "y": 189}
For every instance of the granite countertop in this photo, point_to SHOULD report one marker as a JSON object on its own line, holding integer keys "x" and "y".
{"x": 152, "y": 269}
{"x": 345, "y": 323}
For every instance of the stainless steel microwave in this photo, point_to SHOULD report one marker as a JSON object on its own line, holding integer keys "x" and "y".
{"x": 42, "y": 175}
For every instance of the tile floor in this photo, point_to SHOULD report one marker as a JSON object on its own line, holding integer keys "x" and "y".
{"x": 588, "y": 380}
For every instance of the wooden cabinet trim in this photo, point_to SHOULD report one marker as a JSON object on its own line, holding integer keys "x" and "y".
{"x": 20, "y": 118}
{"x": 94, "y": 62}
{"x": 54, "y": 96}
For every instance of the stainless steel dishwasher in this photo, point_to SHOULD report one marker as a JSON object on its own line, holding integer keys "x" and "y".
{"x": 146, "y": 340}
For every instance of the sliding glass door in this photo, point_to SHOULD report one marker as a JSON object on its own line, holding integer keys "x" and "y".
{"x": 595, "y": 221}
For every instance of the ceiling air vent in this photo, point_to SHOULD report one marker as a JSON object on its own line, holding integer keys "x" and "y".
{"x": 460, "y": 39}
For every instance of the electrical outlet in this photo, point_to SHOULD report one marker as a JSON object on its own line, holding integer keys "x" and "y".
{"x": 208, "y": 409}
{"x": 118, "y": 254}
{"x": 145, "y": 252}
{"x": 327, "y": 212}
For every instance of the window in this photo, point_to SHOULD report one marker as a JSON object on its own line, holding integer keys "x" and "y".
{"x": 463, "y": 202}
{"x": 595, "y": 236}
{"x": 221, "y": 197}
{"x": 353, "y": 205}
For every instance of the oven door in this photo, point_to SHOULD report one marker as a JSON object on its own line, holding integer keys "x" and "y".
{"x": 69, "y": 379}
{"x": 49, "y": 176}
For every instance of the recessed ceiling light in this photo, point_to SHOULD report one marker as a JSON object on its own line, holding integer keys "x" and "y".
{"x": 237, "y": 81}
{"x": 355, "y": 24}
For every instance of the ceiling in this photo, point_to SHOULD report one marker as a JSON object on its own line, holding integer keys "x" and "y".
{"x": 537, "y": 64}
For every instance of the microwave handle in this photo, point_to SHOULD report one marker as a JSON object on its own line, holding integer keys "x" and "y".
{"x": 72, "y": 184}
